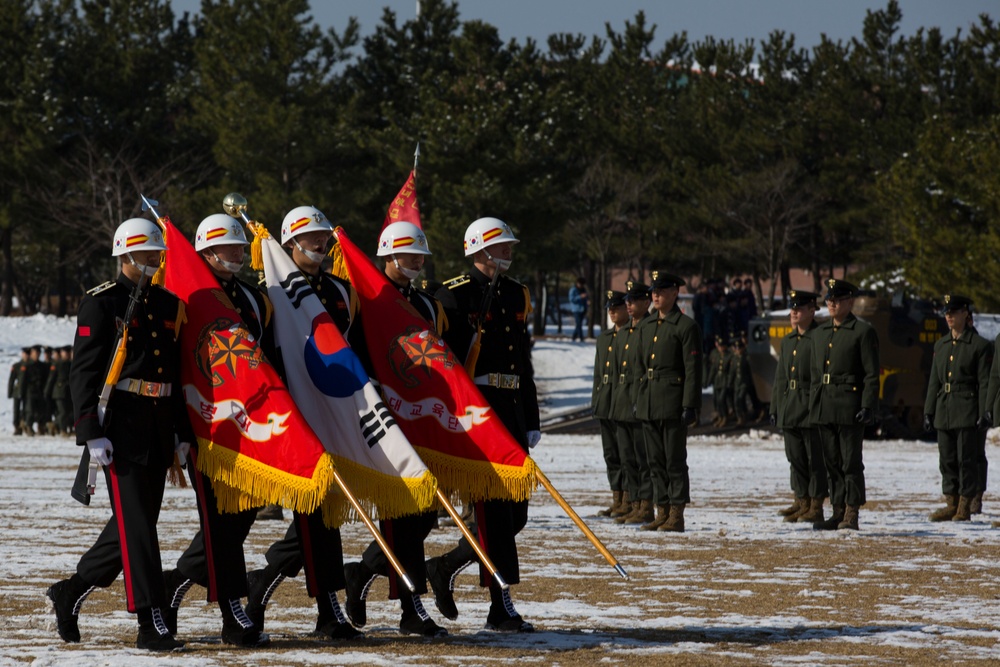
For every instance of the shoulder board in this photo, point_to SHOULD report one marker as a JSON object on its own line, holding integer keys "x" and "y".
{"x": 101, "y": 288}
{"x": 457, "y": 281}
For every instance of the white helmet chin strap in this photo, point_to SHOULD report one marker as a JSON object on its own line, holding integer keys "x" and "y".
{"x": 148, "y": 269}
{"x": 317, "y": 257}
{"x": 232, "y": 267}
{"x": 409, "y": 273}
{"x": 503, "y": 265}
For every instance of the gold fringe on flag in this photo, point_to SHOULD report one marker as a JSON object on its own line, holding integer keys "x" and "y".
{"x": 260, "y": 233}
{"x": 473, "y": 480}
{"x": 382, "y": 496}
{"x": 338, "y": 268}
{"x": 247, "y": 483}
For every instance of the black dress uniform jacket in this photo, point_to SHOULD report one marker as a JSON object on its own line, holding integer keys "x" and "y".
{"x": 140, "y": 428}
{"x": 505, "y": 344}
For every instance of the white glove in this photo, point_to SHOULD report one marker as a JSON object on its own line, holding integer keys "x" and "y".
{"x": 182, "y": 449}
{"x": 534, "y": 437}
{"x": 100, "y": 450}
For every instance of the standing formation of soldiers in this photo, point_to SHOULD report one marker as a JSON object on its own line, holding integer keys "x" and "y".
{"x": 657, "y": 396}
{"x": 38, "y": 386}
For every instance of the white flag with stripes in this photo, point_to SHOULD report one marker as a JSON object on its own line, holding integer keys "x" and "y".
{"x": 333, "y": 392}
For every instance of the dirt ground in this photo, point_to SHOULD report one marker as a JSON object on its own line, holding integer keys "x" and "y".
{"x": 740, "y": 587}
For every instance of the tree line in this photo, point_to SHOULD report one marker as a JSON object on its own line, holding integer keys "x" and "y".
{"x": 628, "y": 149}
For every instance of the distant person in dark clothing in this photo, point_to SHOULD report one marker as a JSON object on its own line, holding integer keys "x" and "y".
{"x": 579, "y": 303}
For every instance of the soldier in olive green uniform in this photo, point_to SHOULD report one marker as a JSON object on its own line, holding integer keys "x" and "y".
{"x": 956, "y": 406}
{"x": 845, "y": 386}
{"x": 669, "y": 398}
{"x": 34, "y": 389}
{"x": 60, "y": 393}
{"x": 637, "y": 503}
{"x": 717, "y": 375}
{"x": 604, "y": 373}
{"x": 15, "y": 389}
{"x": 740, "y": 378}
{"x": 790, "y": 412}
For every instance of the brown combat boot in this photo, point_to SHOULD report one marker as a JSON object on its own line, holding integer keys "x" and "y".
{"x": 803, "y": 508}
{"x": 833, "y": 522}
{"x": 962, "y": 512}
{"x": 976, "y": 506}
{"x": 643, "y": 515}
{"x": 947, "y": 512}
{"x": 815, "y": 512}
{"x": 616, "y": 501}
{"x": 633, "y": 507}
{"x": 624, "y": 509}
{"x": 662, "y": 511}
{"x": 26, "y": 427}
{"x": 850, "y": 521}
{"x": 675, "y": 520}
{"x": 791, "y": 509}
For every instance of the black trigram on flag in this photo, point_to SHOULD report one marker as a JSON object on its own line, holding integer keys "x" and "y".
{"x": 375, "y": 423}
{"x": 296, "y": 287}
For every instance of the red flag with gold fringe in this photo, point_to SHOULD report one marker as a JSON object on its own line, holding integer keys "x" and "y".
{"x": 441, "y": 412}
{"x": 252, "y": 439}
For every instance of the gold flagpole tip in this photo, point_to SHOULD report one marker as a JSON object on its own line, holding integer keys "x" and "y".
{"x": 234, "y": 204}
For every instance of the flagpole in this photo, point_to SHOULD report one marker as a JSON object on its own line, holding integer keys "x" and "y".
{"x": 396, "y": 565}
{"x": 579, "y": 522}
{"x": 473, "y": 542}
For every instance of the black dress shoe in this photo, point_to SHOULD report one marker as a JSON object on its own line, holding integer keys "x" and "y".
{"x": 337, "y": 630}
{"x": 508, "y": 624}
{"x": 411, "y": 624}
{"x": 64, "y": 601}
{"x": 357, "y": 578}
{"x": 440, "y": 581}
{"x": 151, "y": 640}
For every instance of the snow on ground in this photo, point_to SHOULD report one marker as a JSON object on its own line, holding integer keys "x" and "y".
{"x": 738, "y": 587}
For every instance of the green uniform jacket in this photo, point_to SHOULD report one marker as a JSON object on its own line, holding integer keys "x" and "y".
{"x": 13, "y": 388}
{"x": 845, "y": 369}
{"x": 671, "y": 366}
{"x": 792, "y": 380}
{"x": 959, "y": 381}
{"x": 605, "y": 377}
{"x": 993, "y": 393}
{"x": 718, "y": 369}
{"x": 740, "y": 376}
{"x": 34, "y": 379}
{"x": 626, "y": 377}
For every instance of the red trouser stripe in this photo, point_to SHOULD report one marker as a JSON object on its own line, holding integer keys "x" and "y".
{"x": 206, "y": 530}
{"x": 116, "y": 500}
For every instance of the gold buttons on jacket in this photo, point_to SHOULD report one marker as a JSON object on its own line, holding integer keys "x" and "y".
{"x": 153, "y": 334}
{"x": 654, "y": 338}
{"x": 794, "y": 352}
{"x": 156, "y": 353}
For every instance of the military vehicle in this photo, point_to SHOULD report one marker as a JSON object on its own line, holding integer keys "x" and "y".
{"x": 907, "y": 330}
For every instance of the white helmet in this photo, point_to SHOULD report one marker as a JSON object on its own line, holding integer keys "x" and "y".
{"x": 301, "y": 220}
{"x": 402, "y": 237}
{"x": 486, "y": 232}
{"x": 219, "y": 229}
{"x": 137, "y": 234}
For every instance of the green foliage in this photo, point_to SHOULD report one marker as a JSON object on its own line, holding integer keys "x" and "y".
{"x": 629, "y": 149}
